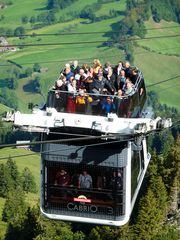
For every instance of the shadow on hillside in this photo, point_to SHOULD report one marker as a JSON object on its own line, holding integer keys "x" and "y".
{"x": 3, "y": 83}
{"x": 111, "y": 35}
{"x": 30, "y": 87}
{"x": 41, "y": 9}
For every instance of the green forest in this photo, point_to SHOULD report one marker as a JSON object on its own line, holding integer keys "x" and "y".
{"x": 26, "y": 74}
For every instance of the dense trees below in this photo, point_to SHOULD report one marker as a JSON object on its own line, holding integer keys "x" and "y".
{"x": 165, "y": 9}
{"x": 149, "y": 220}
{"x": 12, "y": 179}
{"x": 8, "y": 99}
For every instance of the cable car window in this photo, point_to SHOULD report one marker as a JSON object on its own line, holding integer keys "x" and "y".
{"x": 78, "y": 189}
{"x": 137, "y": 165}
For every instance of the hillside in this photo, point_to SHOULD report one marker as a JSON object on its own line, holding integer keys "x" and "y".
{"x": 57, "y": 51}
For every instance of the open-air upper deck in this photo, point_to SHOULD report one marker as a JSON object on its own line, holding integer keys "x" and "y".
{"x": 125, "y": 104}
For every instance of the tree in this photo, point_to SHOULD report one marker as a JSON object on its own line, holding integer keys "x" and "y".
{"x": 156, "y": 16}
{"x": 36, "y": 84}
{"x": 30, "y": 226}
{"x": 28, "y": 72}
{"x": 50, "y": 229}
{"x": 24, "y": 19}
{"x": 28, "y": 181}
{"x": 19, "y": 31}
{"x": 130, "y": 4}
{"x": 14, "y": 213}
{"x": 13, "y": 172}
{"x": 32, "y": 19}
{"x": 14, "y": 206}
{"x": 10, "y": 177}
{"x": 2, "y": 31}
{"x": 1, "y": 17}
{"x": 149, "y": 219}
{"x": 3, "y": 181}
{"x": 36, "y": 67}
{"x": 12, "y": 83}
{"x": 9, "y": 99}
{"x": 9, "y": 32}
{"x": 171, "y": 170}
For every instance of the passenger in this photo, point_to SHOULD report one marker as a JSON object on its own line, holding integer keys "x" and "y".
{"x": 68, "y": 73}
{"x": 101, "y": 181}
{"x": 60, "y": 83}
{"x": 101, "y": 83}
{"x": 90, "y": 72}
{"x": 134, "y": 75}
{"x": 82, "y": 76}
{"x": 81, "y": 101}
{"x": 60, "y": 97}
{"x": 71, "y": 106}
{"x": 129, "y": 87}
{"x": 85, "y": 180}
{"x": 75, "y": 67}
{"x": 127, "y": 69}
{"x": 71, "y": 86}
{"x": 81, "y": 82}
{"x": 82, "y": 73}
{"x": 62, "y": 178}
{"x": 75, "y": 180}
{"x": 118, "y": 98}
{"x": 96, "y": 66}
{"x": 121, "y": 104}
{"x": 116, "y": 180}
{"x": 77, "y": 77}
{"x": 117, "y": 69}
{"x": 85, "y": 68}
{"x": 122, "y": 79}
{"x": 66, "y": 65}
{"x": 106, "y": 68}
{"x": 108, "y": 106}
{"x": 111, "y": 78}
{"x": 89, "y": 82}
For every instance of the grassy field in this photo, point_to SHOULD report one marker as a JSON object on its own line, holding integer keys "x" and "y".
{"x": 158, "y": 67}
{"x": 13, "y": 13}
{"x": 117, "y": 5}
{"x": 166, "y": 45}
{"x": 159, "y": 59}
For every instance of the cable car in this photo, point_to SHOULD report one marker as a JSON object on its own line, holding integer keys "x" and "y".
{"x": 111, "y": 171}
{"x": 95, "y": 176}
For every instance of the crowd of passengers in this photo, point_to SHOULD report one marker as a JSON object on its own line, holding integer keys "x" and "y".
{"x": 85, "y": 181}
{"x": 85, "y": 85}
{"x": 77, "y": 183}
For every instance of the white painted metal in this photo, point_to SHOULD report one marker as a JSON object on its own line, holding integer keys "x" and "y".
{"x": 41, "y": 121}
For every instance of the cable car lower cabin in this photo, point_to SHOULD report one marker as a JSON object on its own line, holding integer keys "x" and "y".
{"x": 93, "y": 183}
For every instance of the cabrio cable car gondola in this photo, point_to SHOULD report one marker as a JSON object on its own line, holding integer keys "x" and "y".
{"x": 95, "y": 180}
